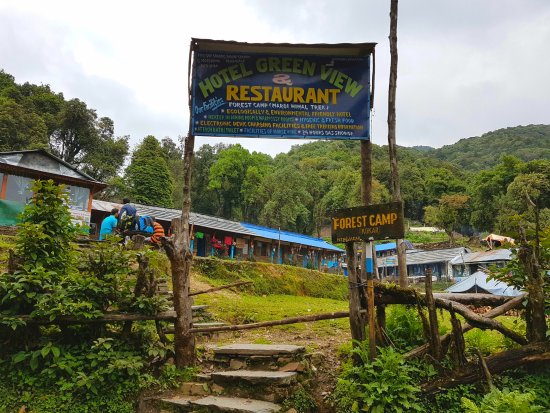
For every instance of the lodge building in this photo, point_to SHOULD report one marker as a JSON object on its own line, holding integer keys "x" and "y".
{"x": 210, "y": 236}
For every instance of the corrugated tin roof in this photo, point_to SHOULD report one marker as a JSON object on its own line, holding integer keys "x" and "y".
{"x": 295, "y": 238}
{"x": 167, "y": 214}
{"x": 391, "y": 246}
{"x": 25, "y": 159}
{"x": 483, "y": 256}
{"x": 220, "y": 224}
{"x": 428, "y": 257}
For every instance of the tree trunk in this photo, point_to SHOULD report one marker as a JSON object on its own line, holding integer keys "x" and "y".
{"x": 535, "y": 353}
{"x": 536, "y": 325}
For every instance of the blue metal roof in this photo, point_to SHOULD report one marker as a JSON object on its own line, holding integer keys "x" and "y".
{"x": 274, "y": 234}
{"x": 385, "y": 247}
{"x": 391, "y": 246}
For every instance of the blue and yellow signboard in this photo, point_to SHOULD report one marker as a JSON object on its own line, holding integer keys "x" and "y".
{"x": 280, "y": 91}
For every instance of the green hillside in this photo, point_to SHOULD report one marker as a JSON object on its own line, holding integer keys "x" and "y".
{"x": 483, "y": 152}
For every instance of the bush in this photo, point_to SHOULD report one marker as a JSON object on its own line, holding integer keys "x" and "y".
{"x": 497, "y": 401}
{"x": 404, "y": 327}
{"x": 382, "y": 386}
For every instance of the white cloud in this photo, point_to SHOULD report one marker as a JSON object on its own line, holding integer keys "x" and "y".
{"x": 464, "y": 67}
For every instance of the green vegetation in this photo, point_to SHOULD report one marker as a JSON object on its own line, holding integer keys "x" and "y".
{"x": 75, "y": 368}
{"x": 384, "y": 385}
{"x": 483, "y": 152}
{"x": 497, "y": 401}
{"x": 148, "y": 177}
{"x": 35, "y": 117}
{"x": 272, "y": 279}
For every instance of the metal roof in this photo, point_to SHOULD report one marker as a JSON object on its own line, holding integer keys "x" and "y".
{"x": 167, "y": 214}
{"x": 428, "y": 257}
{"x": 220, "y": 224}
{"x": 25, "y": 159}
{"x": 391, "y": 246}
{"x": 484, "y": 256}
{"x": 287, "y": 236}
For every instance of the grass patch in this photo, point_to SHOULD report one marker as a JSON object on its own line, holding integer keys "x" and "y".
{"x": 271, "y": 278}
{"x": 246, "y": 309}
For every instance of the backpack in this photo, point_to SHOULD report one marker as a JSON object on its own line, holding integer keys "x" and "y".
{"x": 126, "y": 222}
{"x": 145, "y": 224}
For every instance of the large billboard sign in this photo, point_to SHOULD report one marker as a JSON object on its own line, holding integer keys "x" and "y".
{"x": 366, "y": 223}
{"x": 281, "y": 91}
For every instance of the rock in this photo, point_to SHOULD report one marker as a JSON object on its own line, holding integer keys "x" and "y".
{"x": 235, "y": 404}
{"x": 255, "y": 377}
{"x": 259, "y": 349}
{"x": 292, "y": 410}
{"x": 217, "y": 389}
{"x": 195, "y": 389}
{"x": 293, "y": 366}
{"x": 284, "y": 360}
{"x": 317, "y": 357}
{"x": 235, "y": 364}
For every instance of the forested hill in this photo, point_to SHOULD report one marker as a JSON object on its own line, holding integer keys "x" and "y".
{"x": 483, "y": 152}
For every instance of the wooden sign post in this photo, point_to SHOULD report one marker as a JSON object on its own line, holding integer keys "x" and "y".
{"x": 365, "y": 223}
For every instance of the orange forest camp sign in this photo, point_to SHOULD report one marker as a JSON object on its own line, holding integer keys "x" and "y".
{"x": 320, "y": 91}
{"x": 368, "y": 223}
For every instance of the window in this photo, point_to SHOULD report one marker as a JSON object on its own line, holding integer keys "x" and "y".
{"x": 18, "y": 189}
{"x": 78, "y": 197}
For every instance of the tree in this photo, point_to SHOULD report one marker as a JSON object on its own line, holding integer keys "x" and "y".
{"x": 529, "y": 196}
{"x": 105, "y": 161}
{"x": 76, "y": 133}
{"x": 450, "y": 214}
{"x": 148, "y": 175}
{"x": 204, "y": 199}
{"x": 487, "y": 187}
{"x": 20, "y": 129}
{"x": 287, "y": 198}
{"x": 228, "y": 177}
{"x": 173, "y": 153}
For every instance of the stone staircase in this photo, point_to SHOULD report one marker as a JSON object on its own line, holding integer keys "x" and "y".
{"x": 243, "y": 378}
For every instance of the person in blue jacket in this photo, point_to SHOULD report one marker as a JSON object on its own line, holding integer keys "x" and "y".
{"x": 126, "y": 216}
{"x": 109, "y": 224}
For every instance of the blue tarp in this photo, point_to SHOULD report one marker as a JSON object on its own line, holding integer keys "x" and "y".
{"x": 274, "y": 234}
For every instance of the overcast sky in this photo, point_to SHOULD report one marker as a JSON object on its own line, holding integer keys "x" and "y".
{"x": 465, "y": 67}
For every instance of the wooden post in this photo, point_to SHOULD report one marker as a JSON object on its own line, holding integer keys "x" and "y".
{"x": 370, "y": 299}
{"x": 356, "y": 320}
{"x": 181, "y": 257}
{"x": 367, "y": 257}
{"x": 392, "y": 145}
{"x": 435, "y": 341}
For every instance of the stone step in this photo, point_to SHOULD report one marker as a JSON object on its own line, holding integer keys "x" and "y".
{"x": 180, "y": 401}
{"x": 236, "y": 405}
{"x": 281, "y": 378}
{"x": 248, "y": 350}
